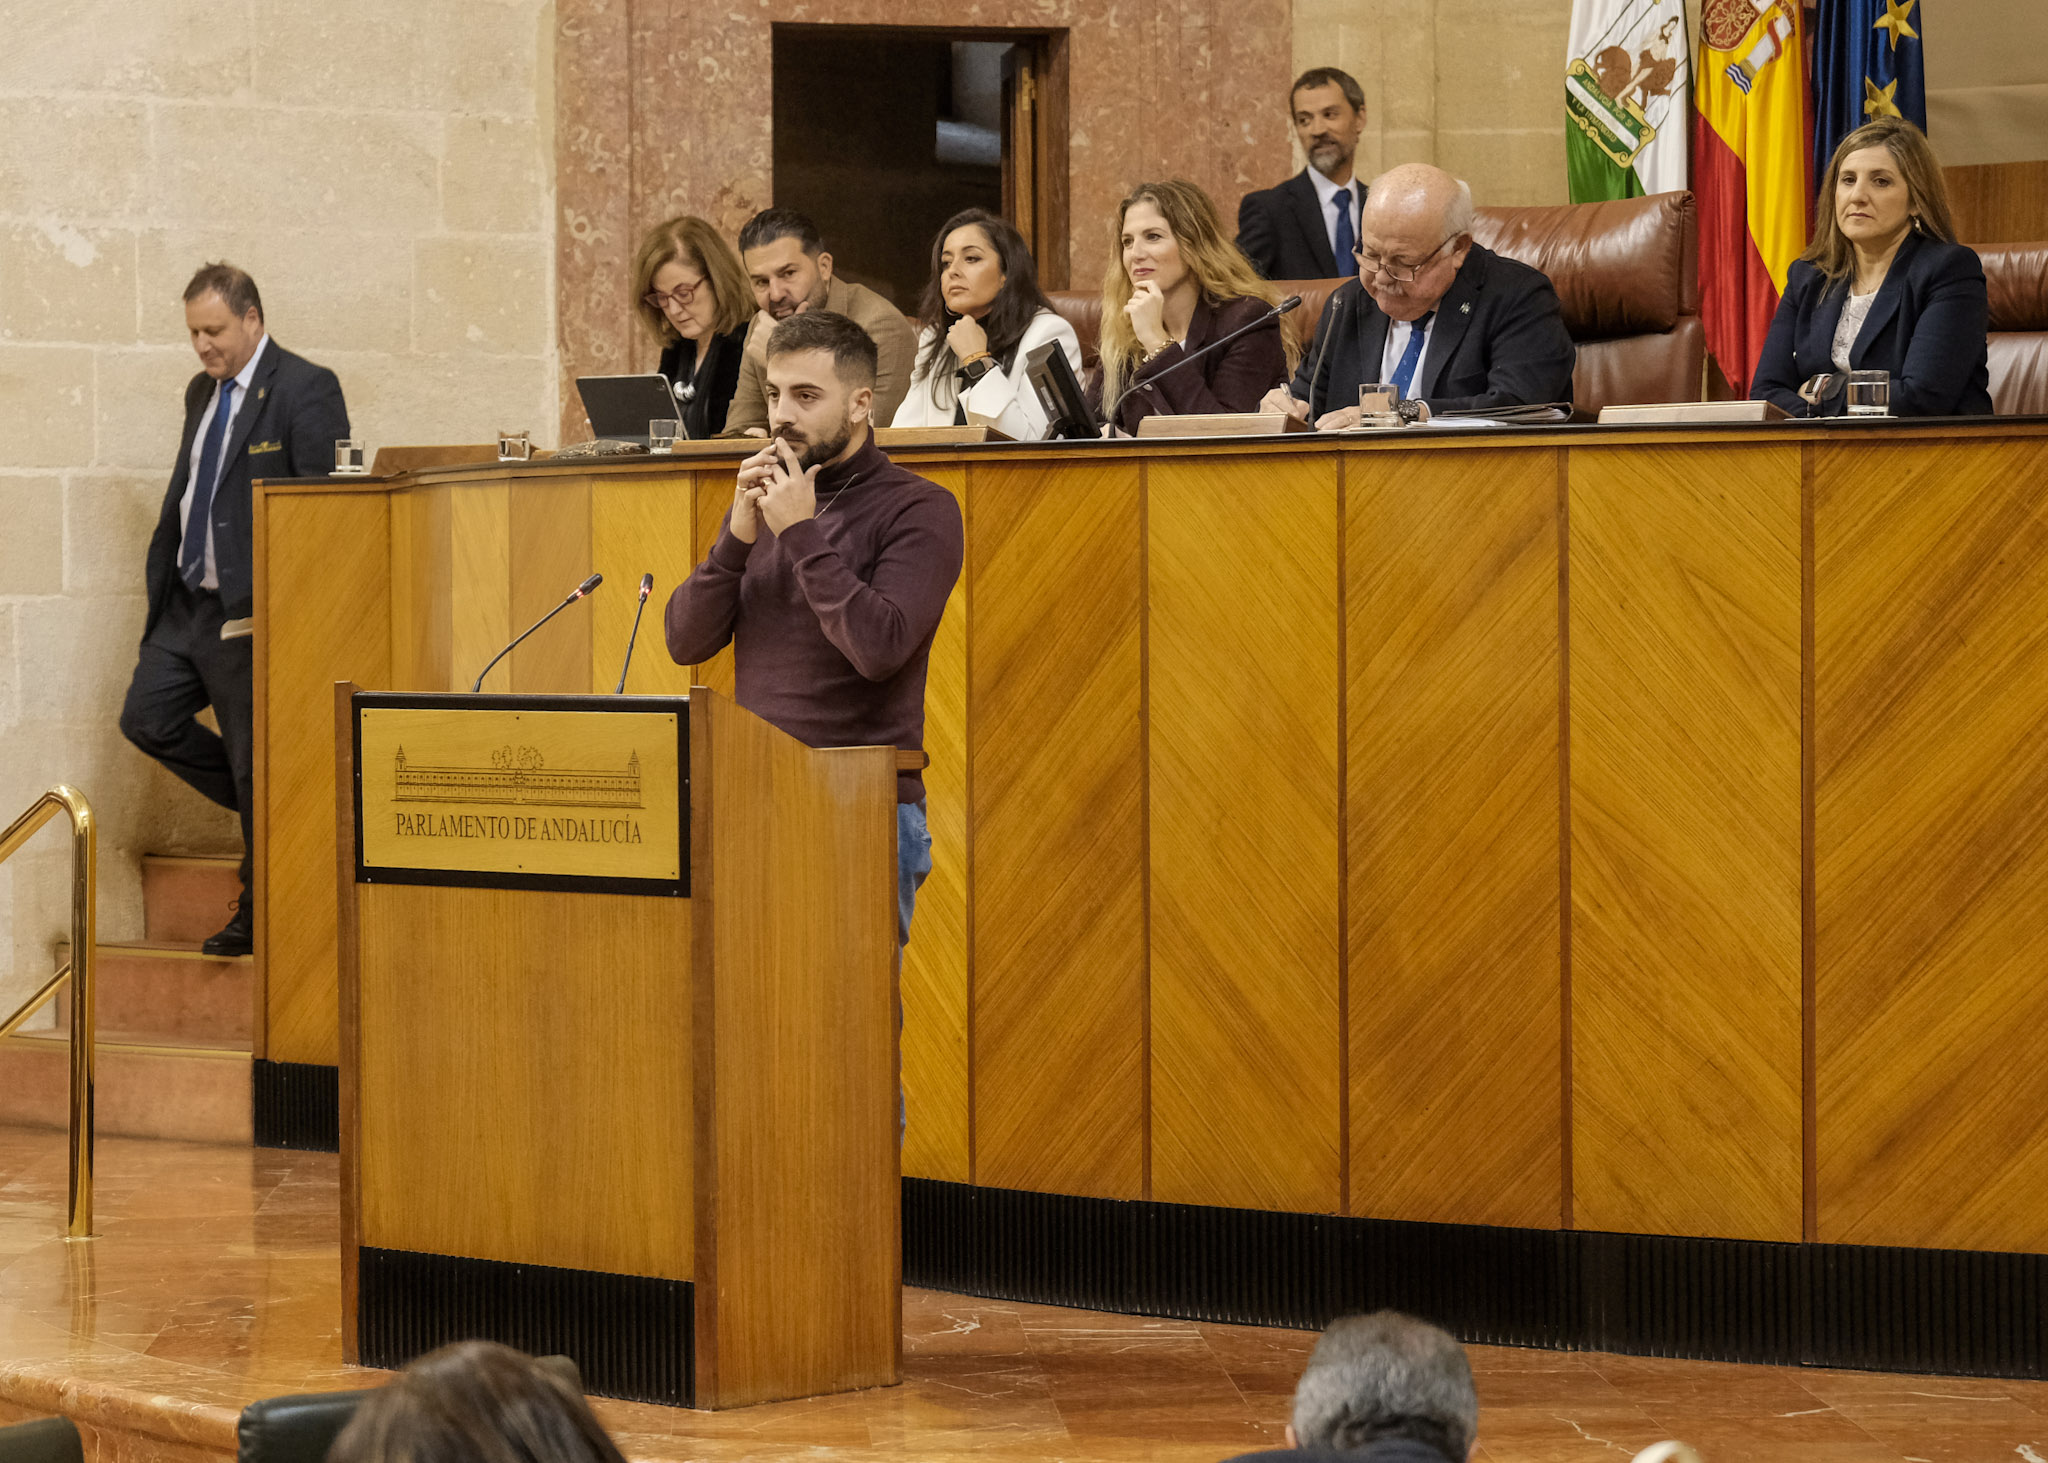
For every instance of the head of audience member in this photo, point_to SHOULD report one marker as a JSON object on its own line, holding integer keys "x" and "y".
{"x": 982, "y": 269}
{"x": 1413, "y": 236}
{"x": 688, "y": 283}
{"x": 820, "y": 385}
{"x": 1328, "y": 109}
{"x": 786, "y": 262}
{"x": 1381, "y": 1377}
{"x": 224, "y": 316}
{"x": 1883, "y": 183}
{"x": 475, "y": 1402}
{"x": 1169, "y": 237}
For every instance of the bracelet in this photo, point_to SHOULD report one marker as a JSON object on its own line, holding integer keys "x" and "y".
{"x": 978, "y": 356}
{"x": 1150, "y": 356}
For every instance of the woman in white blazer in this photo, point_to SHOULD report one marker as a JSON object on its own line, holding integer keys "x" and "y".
{"x": 983, "y": 314}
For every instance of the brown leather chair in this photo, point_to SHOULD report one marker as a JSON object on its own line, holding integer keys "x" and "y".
{"x": 2017, "y": 278}
{"x": 1627, "y": 276}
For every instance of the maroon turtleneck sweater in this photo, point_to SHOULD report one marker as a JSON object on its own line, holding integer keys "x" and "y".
{"x": 831, "y": 622}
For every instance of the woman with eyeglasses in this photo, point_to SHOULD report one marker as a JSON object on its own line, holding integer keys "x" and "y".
{"x": 693, "y": 297}
{"x": 982, "y": 316}
{"x": 1176, "y": 282}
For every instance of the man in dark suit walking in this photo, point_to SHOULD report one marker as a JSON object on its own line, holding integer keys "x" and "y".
{"x": 1307, "y": 227}
{"x": 255, "y": 410}
{"x": 1449, "y": 325}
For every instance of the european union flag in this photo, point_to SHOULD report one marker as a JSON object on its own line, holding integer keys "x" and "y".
{"x": 1866, "y": 64}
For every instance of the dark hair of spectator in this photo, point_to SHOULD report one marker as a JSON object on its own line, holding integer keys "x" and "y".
{"x": 1328, "y": 76}
{"x": 771, "y": 224}
{"x": 1016, "y": 305}
{"x": 475, "y": 1402}
{"x": 854, "y": 356}
{"x": 236, "y": 289}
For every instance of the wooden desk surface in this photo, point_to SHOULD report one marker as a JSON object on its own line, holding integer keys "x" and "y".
{"x": 1625, "y": 829}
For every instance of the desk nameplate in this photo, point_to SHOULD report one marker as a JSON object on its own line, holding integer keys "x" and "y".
{"x": 523, "y": 792}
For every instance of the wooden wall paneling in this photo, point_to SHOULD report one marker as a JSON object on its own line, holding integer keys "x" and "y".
{"x": 1452, "y": 642}
{"x": 1686, "y": 839}
{"x": 639, "y": 525}
{"x": 480, "y": 582}
{"x": 713, "y": 496}
{"x": 551, "y": 555}
{"x": 525, "y": 1085}
{"x": 333, "y": 551}
{"x": 422, "y": 626}
{"x": 793, "y": 856}
{"x": 1999, "y": 203}
{"x": 1931, "y": 843}
{"x": 1244, "y": 805}
{"x": 935, "y": 974}
{"x": 1056, "y": 754}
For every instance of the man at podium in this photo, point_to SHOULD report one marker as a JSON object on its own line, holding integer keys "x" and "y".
{"x": 830, "y": 615}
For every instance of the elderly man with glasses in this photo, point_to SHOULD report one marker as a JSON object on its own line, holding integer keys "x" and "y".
{"x": 1450, "y": 325}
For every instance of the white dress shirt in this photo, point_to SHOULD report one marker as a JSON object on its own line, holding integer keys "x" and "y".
{"x": 242, "y": 380}
{"x": 1325, "y": 192}
{"x": 1398, "y": 332}
{"x": 1001, "y": 399}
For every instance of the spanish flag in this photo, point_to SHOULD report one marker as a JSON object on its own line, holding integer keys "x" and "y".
{"x": 1750, "y": 150}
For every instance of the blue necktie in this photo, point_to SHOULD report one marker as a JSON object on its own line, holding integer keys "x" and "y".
{"x": 1411, "y": 355}
{"x": 1346, "y": 240}
{"x": 192, "y": 557}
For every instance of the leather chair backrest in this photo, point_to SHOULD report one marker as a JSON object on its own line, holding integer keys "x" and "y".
{"x": 2016, "y": 277}
{"x": 295, "y": 1429}
{"x": 46, "y": 1440}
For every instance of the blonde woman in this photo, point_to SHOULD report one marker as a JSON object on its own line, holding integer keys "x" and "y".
{"x": 1175, "y": 283}
{"x": 692, "y": 295}
{"x": 1884, "y": 287}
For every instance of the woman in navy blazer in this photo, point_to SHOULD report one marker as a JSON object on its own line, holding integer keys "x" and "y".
{"x": 1884, "y": 287}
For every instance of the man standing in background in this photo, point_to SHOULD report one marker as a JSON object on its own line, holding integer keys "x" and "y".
{"x": 1307, "y": 227}
{"x": 254, "y": 410}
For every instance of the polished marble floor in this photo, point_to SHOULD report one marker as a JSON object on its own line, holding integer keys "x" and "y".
{"x": 214, "y": 1282}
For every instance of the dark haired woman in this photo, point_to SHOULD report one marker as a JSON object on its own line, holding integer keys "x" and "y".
{"x": 983, "y": 314}
{"x": 1884, "y": 287}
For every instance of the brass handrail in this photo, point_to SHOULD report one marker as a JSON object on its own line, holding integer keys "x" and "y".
{"x": 78, "y": 970}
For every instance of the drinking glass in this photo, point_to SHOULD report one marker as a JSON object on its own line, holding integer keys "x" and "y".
{"x": 661, "y": 435}
{"x": 515, "y": 446}
{"x": 348, "y": 457}
{"x": 1377, "y": 403}
{"x": 1870, "y": 393}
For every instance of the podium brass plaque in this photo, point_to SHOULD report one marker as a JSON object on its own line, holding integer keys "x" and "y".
{"x": 458, "y": 792}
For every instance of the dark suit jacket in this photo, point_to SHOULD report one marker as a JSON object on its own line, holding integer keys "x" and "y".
{"x": 1230, "y": 380}
{"x": 705, "y": 416}
{"x": 1283, "y": 232}
{"x": 1926, "y": 326}
{"x": 1498, "y": 340}
{"x": 287, "y": 429}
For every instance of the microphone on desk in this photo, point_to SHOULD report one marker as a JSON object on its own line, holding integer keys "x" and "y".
{"x": 579, "y": 592}
{"x": 1272, "y": 313}
{"x": 646, "y": 588}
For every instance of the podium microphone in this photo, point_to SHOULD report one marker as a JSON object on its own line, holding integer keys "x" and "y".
{"x": 579, "y": 592}
{"x": 646, "y": 588}
{"x": 1266, "y": 317}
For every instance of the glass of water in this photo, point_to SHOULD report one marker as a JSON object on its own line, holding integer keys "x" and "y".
{"x": 1870, "y": 393}
{"x": 1378, "y": 403}
{"x": 514, "y": 446}
{"x": 661, "y": 435}
{"x": 348, "y": 457}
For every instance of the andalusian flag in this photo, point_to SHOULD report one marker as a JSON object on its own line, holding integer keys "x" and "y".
{"x": 1866, "y": 64}
{"x": 1625, "y": 102}
{"x": 1749, "y": 170}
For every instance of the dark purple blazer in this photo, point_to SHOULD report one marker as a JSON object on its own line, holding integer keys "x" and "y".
{"x": 1233, "y": 379}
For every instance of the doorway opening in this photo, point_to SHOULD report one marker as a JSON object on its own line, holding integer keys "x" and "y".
{"x": 882, "y": 133}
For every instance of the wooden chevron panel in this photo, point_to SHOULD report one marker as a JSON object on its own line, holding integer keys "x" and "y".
{"x": 639, "y": 525}
{"x": 334, "y": 623}
{"x": 1686, "y": 830}
{"x": 1056, "y": 755}
{"x": 935, "y": 975}
{"x": 479, "y": 582}
{"x": 1931, "y": 843}
{"x": 1246, "y": 1050}
{"x": 713, "y": 495}
{"x": 1455, "y": 1007}
{"x": 550, "y": 540}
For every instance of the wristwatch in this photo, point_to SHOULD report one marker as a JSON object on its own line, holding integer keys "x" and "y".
{"x": 977, "y": 368}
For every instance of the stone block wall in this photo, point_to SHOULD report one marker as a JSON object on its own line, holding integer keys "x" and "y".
{"x": 384, "y": 168}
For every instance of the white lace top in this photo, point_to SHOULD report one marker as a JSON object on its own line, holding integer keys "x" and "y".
{"x": 1854, "y": 309}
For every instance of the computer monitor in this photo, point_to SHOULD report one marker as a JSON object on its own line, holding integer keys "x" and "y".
{"x": 1067, "y": 412}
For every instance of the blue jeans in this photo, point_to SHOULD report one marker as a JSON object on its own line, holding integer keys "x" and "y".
{"x": 913, "y": 863}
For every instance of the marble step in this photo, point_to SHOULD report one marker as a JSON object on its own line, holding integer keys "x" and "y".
{"x": 186, "y": 897}
{"x": 193, "y": 1092}
{"x": 160, "y": 991}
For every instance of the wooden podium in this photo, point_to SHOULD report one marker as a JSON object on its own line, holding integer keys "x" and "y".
{"x": 619, "y": 1042}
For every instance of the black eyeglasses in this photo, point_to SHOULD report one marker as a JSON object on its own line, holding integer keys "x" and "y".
{"x": 1372, "y": 264}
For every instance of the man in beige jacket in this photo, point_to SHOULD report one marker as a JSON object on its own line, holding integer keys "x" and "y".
{"x": 791, "y": 271}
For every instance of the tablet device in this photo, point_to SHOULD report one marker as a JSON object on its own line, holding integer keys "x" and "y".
{"x": 620, "y": 407}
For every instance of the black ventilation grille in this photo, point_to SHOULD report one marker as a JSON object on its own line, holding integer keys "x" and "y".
{"x": 1963, "y": 1313}
{"x": 630, "y": 1336}
{"x": 296, "y": 1105}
